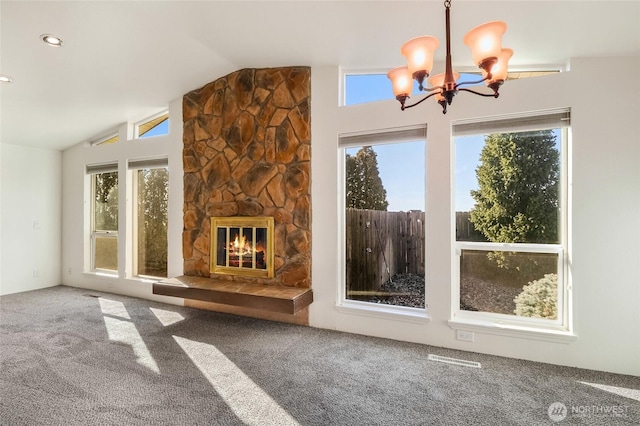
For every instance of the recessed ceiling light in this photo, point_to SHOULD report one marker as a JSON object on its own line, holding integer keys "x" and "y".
{"x": 5, "y": 79}
{"x": 51, "y": 40}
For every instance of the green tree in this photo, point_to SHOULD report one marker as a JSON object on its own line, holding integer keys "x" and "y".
{"x": 518, "y": 178}
{"x": 106, "y": 201}
{"x": 364, "y": 189}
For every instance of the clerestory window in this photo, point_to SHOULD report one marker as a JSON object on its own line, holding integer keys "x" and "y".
{"x": 363, "y": 87}
{"x": 113, "y": 138}
{"x": 157, "y": 125}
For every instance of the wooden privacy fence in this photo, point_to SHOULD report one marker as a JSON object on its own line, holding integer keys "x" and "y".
{"x": 381, "y": 244}
{"x": 465, "y": 231}
{"x": 464, "y": 227}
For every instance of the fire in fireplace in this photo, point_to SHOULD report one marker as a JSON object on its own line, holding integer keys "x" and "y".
{"x": 242, "y": 246}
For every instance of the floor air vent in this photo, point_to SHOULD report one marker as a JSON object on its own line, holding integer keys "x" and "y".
{"x": 447, "y": 360}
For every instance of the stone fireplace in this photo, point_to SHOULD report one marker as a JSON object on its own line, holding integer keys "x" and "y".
{"x": 246, "y": 156}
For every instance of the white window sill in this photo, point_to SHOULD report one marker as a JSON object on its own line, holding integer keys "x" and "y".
{"x": 381, "y": 311}
{"x": 114, "y": 275}
{"x": 512, "y": 330}
{"x": 147, "y": 279}
{"x": 101, "y": 274}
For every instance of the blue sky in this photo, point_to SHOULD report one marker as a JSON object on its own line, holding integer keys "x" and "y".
{"x": 402, "y": 166}
{"x": 402, "y": 170}
{"x": 468, "y": 150}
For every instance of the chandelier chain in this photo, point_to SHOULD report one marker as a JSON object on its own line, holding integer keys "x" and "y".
{"x": 447, "y": 3}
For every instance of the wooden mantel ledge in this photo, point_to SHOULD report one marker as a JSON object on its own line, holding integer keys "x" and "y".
{"x": 288, "y": 300}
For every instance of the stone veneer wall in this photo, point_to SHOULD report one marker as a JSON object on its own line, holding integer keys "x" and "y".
{"x": 247, "y": 147}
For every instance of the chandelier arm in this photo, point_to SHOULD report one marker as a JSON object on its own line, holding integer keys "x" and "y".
{"x": 431, "y": 89}
{"x": 420, "y": 101}
{"x": 466, "y": 83}
{"x": 495, "y": 94}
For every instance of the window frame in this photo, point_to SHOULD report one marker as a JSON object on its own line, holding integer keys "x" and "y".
{"x": 133, "y": 167}
{"x": 94, "y": 234}
{"x": 343, "y": 304}
{"x": 559, "y": 329}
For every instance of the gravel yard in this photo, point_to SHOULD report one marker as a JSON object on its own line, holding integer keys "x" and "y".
{"x": 475, "y": 294}
{"x": 404, "y": 290}
{"x": 479, "y": 295}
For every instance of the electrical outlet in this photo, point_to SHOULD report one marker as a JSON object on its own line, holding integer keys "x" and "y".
{"x": 463, "y": 335}
{"x": 36, "y": 273}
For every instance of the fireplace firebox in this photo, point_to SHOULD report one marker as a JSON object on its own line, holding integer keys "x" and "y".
{"x": 242, "y": 246}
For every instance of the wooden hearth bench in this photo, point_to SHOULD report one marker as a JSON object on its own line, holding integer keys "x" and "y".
{"x": 287, "y": 300}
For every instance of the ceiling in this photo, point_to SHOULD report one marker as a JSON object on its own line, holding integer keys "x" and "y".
{"x": 125, "y": 60}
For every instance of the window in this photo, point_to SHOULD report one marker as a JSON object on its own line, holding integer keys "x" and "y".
{"x": 155, "y": 126}
{"x": 150, "y": 198}
{"x": 104, "y": 216}
{"x": 107, "y": 140}
{"x": 511, "y": 220}
{"x": 375, "y": 86}
{"x": 384, "y": 200}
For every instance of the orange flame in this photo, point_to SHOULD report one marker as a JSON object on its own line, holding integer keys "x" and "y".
{"x": 240, "y": 246}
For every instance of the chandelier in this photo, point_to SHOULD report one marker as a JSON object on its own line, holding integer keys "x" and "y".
{"x": 486, "y": 51}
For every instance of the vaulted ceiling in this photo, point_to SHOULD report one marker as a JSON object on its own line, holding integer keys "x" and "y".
{"x": 123, "y": 61}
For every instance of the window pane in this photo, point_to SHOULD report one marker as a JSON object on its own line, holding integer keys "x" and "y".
{"x": 362, "y": 88}
{"x": 508, "y": 187}
{"x": 106, "y": 252}
{"x": 156, "y": 127}
{"x": 105, "y": 199}
{"x": 384, "y": 218}
{"x": 105, "y": 221}
{"x": 109, "y": 140}
{"x": 511, "y": 283}
{"x": 152, "y": 221}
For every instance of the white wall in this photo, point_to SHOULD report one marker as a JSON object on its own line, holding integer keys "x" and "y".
{"x": 605, "y": 254}
{"x": 75, "y": 202}
{"x": 605, "y": 215}
{"x": 30, "y": 188}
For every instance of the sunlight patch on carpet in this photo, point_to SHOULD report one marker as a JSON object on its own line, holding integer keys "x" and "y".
{"x": 127, "y": 333}
{"x": 454, "y": 361}
{"x": 249, "y": 402}
{"x": 626, "y": 392}
{"x": 113, "y": 307}
{"x": 166, "y": 318}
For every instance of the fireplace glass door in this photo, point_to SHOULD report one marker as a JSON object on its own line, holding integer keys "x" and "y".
{"x": 242, "y": 246}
